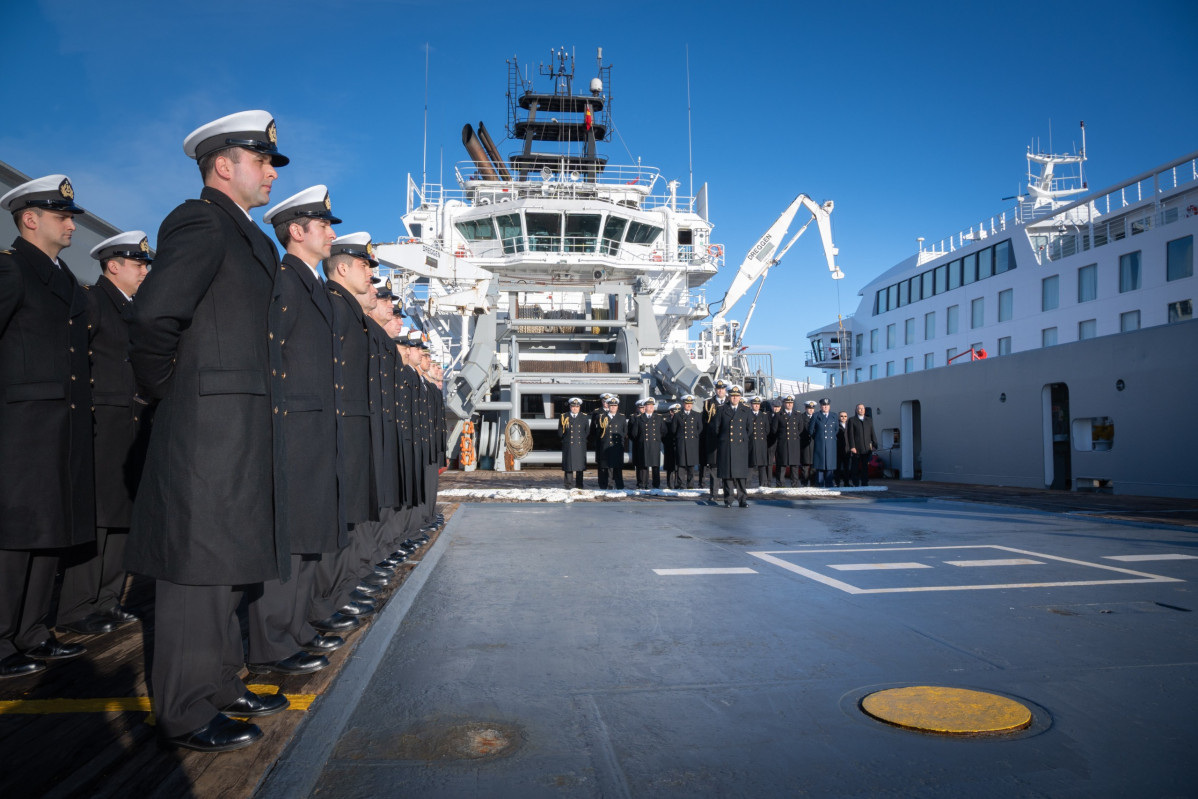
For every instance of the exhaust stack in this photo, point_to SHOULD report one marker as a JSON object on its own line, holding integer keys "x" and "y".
{"x": 477, "y": 154}
{"x": 493, "y": 152}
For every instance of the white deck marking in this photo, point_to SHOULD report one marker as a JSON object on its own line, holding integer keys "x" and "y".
{"x": 676, "y": 572}
{"x": 1139, "y": 577}
{"x": 860, "y": 567}
{"x": 996, "y": 562}
{"x": 1132, "y": 558}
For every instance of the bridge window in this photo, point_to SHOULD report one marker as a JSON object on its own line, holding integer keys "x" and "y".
{"x": 510, "y": 233}
{"x": 613, "y": 231}
{"x": 640, "y": 233}
{"x": 477, "y": 229}
{"x": 544, "y": 232}
{"x": 582, "y": 232}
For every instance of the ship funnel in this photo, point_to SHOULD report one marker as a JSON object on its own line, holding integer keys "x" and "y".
{"x": 493, "y": 152}
{"x": 478, "y": 154}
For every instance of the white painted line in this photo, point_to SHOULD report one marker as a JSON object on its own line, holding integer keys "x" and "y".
{"x": 676, "y": 572}
{"x": 854, "y": 544}
{"x": 996, "y": 562}
{"x": 860, "y": 567}
{"x": 1131, "y": 558}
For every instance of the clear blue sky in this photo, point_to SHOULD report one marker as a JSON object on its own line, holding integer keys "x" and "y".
{"x": 913, "y": 117}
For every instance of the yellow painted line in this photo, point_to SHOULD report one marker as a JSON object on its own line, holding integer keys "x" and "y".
{"x": 120, "y": 704}
{"x": 953, "y": 711}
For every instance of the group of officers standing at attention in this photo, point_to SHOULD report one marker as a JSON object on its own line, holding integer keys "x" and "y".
{"x": 727, "y": 441}
{"x": 231, "y": 424}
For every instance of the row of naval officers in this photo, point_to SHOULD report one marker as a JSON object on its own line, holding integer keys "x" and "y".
{"x": 725, "y": 441}
{"x": 228, "y": 423}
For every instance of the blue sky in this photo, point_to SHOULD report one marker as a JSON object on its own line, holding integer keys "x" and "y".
{"x": 913, "y": 117}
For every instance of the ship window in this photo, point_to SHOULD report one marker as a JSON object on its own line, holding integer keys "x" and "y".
{"x": 928, "y": 285}
{"x": 969, "y": 268}
{"x": 1087, "y": 283}
{"x": 686, "y": 237}
{"x": 889, "y": 368}
{"x": 613, "y": 231}
{"x": 857, "y": 375}
{"x": 951, "y": 319}
{"x": 1048, "y": 337}
{"x": 1129, "y": 271}
{"x": 909, "y": 331}
{"x": 977, "y": 313}
{"x": 873, "y": 340}
{"x": 985, "y": 263}
{"x": 893, "y": 303}
{"x": 929, "y": 325}
{"x": 904, "y": 293}
{"x": 1003, "y": 260}
{"x": 477, "y": 229}
{"x": 859, "y": 342}
{"x": 1006, "y": 305}
{"x": 954, "y": 274}
{"x": 1050, "y": 292}
{"x": 415, "y": 229}
{"x": 916, "y": 289}
{"x": 508, "y": 229}
{"x": 949, "y": 354}
{"x": 1129, "y": 321}
{"x": 1180, "y": 311}
{"x": 890, "y": 336}
{"x": 640, "y": 233}
{"x": 941, "y": 280}
{"x": 929, "y": 360}
{"x": 1004, "y": 345}
{"x": 908, "y": 365}
{"x": 544, "y": 232}
{"x": 1087, "y": 328}
{"x": 582, "y": 232}
{"x": 873, "y": 371}
{"x": 1180, "y": 258}
{"x": 1094, "y": 435}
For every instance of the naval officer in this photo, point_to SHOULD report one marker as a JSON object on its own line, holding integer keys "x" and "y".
{"x": 208, "y": 520}
{"x": 46, "y": 501}
{"x": 94, "y": 580}
{"x": 733, "y": 430}
{"x": 611, "y": 439}
{"x": 711, "y": 440}
{"x": 687, "y": 427}
{"x": 575, "y": 429}
{"x": 823, "y": 428}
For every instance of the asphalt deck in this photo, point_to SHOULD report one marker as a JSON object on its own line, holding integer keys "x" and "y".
{"x": 557, "y": 650}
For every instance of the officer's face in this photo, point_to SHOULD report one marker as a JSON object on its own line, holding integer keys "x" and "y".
{"x": 720, "y": 392}
{"x": 357, "y": 277}
{"x": 393, "y": 326}
{"x": 54, "y": 228}
{"x": 318, "y": 238}
{"x": 128, "y": 273}
{"x": 251, "y": 179}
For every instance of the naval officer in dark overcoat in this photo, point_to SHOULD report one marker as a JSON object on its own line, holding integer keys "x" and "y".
{"x": 575, "y": 430}
{"x": 788, "y": 431}
{"x": 46, "y": 501}
{"x": 208, "y": 520}
{"x": 93, "y": 578}
{"x": 687, "y": 426}
{"x": 759, "y": 442}
{"x": 302, "y": 322}
{"x": 644, "y": 435}
{"x": 710, "y": 443}
{"x": 734, "y": 428}
{"x": 611, "y": 441}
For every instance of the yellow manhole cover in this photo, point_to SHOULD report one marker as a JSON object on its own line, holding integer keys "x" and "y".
{"x": 955, "y": 711}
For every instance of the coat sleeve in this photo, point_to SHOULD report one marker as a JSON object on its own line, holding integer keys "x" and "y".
{"x": 186, "y": 265}
{"x": 12, "y": 290}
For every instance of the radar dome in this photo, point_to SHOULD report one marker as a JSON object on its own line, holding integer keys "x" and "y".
{"x": 596, "y": 86}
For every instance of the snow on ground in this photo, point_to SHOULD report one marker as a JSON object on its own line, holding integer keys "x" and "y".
{"x": 588, "y": 495}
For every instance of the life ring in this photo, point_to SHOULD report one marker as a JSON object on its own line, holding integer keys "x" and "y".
{"x": 1192, "y": 210}
{"x": 460, "y": 252}
{"x": 466, "y": 445}
{"x": 716, "y": 251}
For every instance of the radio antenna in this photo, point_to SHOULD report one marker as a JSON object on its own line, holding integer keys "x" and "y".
{"x": 690, "y": 150}
{"x": 424, "y": 156}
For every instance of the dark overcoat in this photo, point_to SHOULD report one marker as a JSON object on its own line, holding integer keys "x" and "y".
{"x": 303, "y": 323}
{"x": 382, "y": 415}
{"x": 861, "y": 435}
{"x": 787, "y": 429}
{"x": 353, "y": 405}
{"x": 411, "y": 455}
{"x": 806, "y": 442}
{"x": 209, "y": 510}
{"x": 611, "y": 439}
{"x": 688, "y": 429}
{"x": 823, "y": 428}
{"x": 121, "y": 425}
{"x": 575, "y": 433}
{"x": 669, "y": 447}
{"x": 644, "y": 433}
{"x": 710, "y": 443}
{"x": 46, "y": 493}
{"x": 733, "y": 429}
{"x": 759, "y": 446}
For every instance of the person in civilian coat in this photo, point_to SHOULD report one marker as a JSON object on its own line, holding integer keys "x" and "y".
{"x": 823, "y": 429}
{"x": 806, "y": 445}
{"x": 710, "y": 443}
{"x": 575, "y": 429}
{"x": 787, "y": 428}
{"x": 611, "y": 441}
{"x": 687, "y": 429}
{"x": 46, "y": 499}
{"x": 93, "y": 578}
{"x": 302, "y": 320}
{"x": 734, "y": 424}
{"x": 843, "y": 456}
{"x": 208, "y": 521}
{"x": 862, "y": 443}
{"x": 644, "y": 434}
{"x": 759, "y": 446}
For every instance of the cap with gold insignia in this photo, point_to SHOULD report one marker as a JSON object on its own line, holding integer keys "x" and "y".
{"x": 311, "y": 203}
{"x": 735, "y": 391}
{"x": 250, "y": 130}
{"x": 133, "y": 244}
{"x": 721, "y": 384}
{"x": 396, "y": 310}
{"x": 575, "y": 401}
{"x": 689, "y": 399}
{"x": 789, "y": 398}
{"x": 650, "y": 401}
{"x": 674, "y": 406}
{"x": 414, "y": 338}
{"x": 810, "y": 403}
{"x": 358, "y": 245}
{"x": 755, "y": 399}
{"x": 612, "y": 399}
{"x": 53, "y": 192}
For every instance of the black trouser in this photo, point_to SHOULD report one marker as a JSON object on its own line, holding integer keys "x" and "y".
{"x": 278, "y": 613}
{"x": 26, "y": 590}
{"x": 93, "y": 579}
{"x": 643, "y": 477}
{"x": 791, "y": 474}
{"x": 807, "y": 474}
{"x": 763, "y": 475}
{"x": 432, "y": 474}
{"x": 689, "y": 471}
{"x": 616, "y": 475}
{"x": 860, "y": 469}
{"x": 572, "y": 479}
{"x": 740, "y": 490}
{"x": 197, "y": 654}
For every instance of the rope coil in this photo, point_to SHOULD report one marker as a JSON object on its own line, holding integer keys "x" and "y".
{"x": 519, "y": 438}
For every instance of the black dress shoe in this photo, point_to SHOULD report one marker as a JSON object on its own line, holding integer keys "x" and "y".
{"x": 385, "y": 567}
{"x": 382, "y": 574}
{"x": 355, "y": 609}
{"x": 18, "y": 665}
{"x": 119, "y": 615}
{"x": 366, "y": 589}
{"x": 391, "y": 561}
{"x": 324, "y": 643}
{"x": 358, "y": 598}
{"x": 92, "y": 624}
{"x": 222, "y": 734}
{"x": 50, "y": 649}
{"x": 254, "y": 705}
{"x": 399, "y": 555}
{"x": 727, "y": 504}
{"x": 337, "y": 623}
{"x": 375, "y": 580}
{"x": 744, "y": 504}
{"x": 299, "y": 663}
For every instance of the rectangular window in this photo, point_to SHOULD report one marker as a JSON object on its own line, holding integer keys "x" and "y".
{"x": 909, "y": 331}
{"x": 880, "y": 302}
{"x": 1180, "y": 311}
{"x": 1129, "y": 321}
{"x": 928, "y": 285}
{"x": 929, "y": 360}
{"x": 1004, "y": 345}
{"x": 985, "y": 263}
{"x": 969, "y": 269}
{"x": 1006, "y": 305}
{"x": 1087, "y": 328}
{"x": 941, "y": 281}
{"x": 1180, "y": 259}
{"x": 977, "y": 313}
{"x": 949, "y": 354}
{"x": 916, "y": 289}
{"x": 891, "y": 331}
{"x": 893, "y": 302}
{"x": 950, "y": 319}
{"x": 858, "y": 342}
{"x": 1048, "y": 337}
{"x": 873, "y": 340}
{"x": 873, "y": 371}
{"x": 929, "y": 325}
{"x": 1129, "y": 271}
{"x": 1050, "y": 295}
{"x": 856, "y": 375}
{"x": 904, "y": 293}
{"x": 889, "y": 368}
{"x": 908, "y": 365}
{"x": 954, "y": 275}
{"x": 1003, "y": 261}
{"x": 1087, "y": 283}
